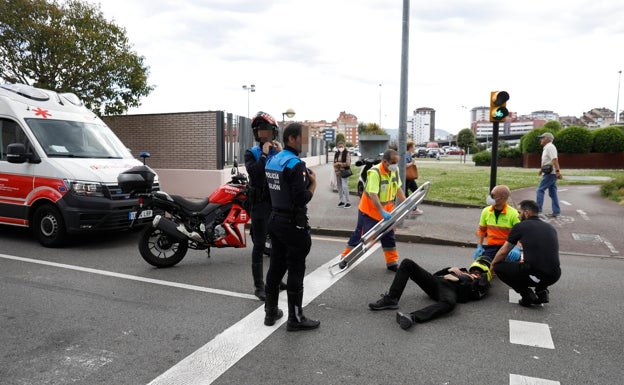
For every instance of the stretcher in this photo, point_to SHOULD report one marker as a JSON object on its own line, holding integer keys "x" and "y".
{"x": 380, "y": 229}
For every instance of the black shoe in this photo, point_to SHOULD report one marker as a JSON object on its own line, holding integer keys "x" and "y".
{"x": 270, "y": 318}
{"x": 260, "y": 293}
{"x": 340, "y": 204}
{"x": 347, "y": 205}
{"x": 542, "y": 296}
{"x": 393, "y": 268}
{"x": 385, "y": 302}
{"x": 528, "y": 299}
{"x": 553, "y": 215}
{"x": 404, "y": 320}
{"x": 303, "y": 323}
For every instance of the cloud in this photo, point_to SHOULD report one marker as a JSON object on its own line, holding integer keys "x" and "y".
{"x": 324, "y": 57}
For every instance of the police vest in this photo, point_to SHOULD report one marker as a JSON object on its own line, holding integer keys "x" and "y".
{"x": 278, "y": 187}
{"x": 257, "y": 152}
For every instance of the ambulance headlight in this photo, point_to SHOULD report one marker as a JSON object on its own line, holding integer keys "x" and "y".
{"x": 85, "y": 188}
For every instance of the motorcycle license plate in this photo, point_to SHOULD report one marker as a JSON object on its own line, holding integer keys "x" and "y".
{"x": 144, "y": 214}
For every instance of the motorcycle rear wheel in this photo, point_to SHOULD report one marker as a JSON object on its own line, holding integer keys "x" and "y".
{"x": 160, "y": 250}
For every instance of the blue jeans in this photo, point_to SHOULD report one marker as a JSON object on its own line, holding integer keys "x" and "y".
{"x": 548, "y": 182}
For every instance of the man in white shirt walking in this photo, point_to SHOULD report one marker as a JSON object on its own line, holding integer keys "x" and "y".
{"x": 549, "y": 172}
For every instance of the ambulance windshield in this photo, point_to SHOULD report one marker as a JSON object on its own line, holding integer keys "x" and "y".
{"x": 63, "y": 138}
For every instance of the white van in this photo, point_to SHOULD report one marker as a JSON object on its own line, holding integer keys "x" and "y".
{"x": 58, "y": 167}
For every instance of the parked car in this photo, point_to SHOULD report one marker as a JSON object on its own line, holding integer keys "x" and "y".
{"x": 433, "y": 152}
{"x": 421, "y": 152}
{"x": 455, "y": 151}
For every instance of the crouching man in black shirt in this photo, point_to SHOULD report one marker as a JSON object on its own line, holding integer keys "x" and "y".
{"x": 540, "y": 266}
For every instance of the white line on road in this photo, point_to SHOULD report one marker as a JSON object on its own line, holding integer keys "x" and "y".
{"x": 132, "y": 277}
{"x": 213, "y": 359}
{"x": 609, "y": 245}
{"x": 530, "y": 334}
{"x": 515, "y": 379}
{"x": 565, "y": 203}
{"x": 583, "y": 215}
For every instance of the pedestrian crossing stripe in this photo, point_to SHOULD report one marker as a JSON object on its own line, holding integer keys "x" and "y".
{"x": 515, "y": 379}
{"x": 530, "y": 334}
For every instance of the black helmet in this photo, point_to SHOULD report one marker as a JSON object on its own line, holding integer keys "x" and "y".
{"x": 264, "y": 121}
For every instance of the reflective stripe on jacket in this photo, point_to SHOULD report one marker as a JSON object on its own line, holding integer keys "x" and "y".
{"x": 385, "y": 185}
{"x": 496, "y": 230}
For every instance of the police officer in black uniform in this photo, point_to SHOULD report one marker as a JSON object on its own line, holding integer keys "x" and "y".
{"x": 291, "y": 186}
{"x": 265, "y": 132}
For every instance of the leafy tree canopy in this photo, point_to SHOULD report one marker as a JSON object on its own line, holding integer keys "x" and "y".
{"x": 465, "y": 138}
{"x": 71, "y": 47}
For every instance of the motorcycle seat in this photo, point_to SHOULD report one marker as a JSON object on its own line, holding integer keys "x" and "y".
{"x": 190, "y": 205}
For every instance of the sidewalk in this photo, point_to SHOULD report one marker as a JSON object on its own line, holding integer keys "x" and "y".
{"x": 454, "y": 226}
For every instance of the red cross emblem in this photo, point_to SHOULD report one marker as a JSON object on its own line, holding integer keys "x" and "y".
{"x": 41, "y": 112}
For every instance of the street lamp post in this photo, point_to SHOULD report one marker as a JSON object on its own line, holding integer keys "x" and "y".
{"x": 290, "y": 113}
{"x": 250, "y": 88}
{"x": 617, "y": 104}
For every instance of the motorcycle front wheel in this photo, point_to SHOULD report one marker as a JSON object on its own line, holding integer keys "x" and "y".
{"x": 160, "y": 250}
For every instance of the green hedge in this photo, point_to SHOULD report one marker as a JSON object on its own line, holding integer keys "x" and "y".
{"x": 576, "y": 140}
{"x": 608, "y": 139}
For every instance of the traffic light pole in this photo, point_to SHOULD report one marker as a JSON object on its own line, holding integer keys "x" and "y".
{"x": 494, "y": 162}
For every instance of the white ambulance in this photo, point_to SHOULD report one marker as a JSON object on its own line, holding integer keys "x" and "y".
{"x": 58, "y": 167}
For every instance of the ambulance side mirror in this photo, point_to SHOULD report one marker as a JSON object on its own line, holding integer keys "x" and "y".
{"x": 16, "y": 153}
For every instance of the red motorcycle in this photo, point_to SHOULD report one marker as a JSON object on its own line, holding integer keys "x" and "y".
{"x": 181, "y": 224}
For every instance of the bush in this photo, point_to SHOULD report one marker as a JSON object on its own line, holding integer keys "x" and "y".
{"x": 608, "y": 139}
{"x": 530, "y": 143}
{"x": 482, "y": 158}
{"x": 574, "y": 140}
{"x": 614, "y": 190}
{"x": 510, "y": 152}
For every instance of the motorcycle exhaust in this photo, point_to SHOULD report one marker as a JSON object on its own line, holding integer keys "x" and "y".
{"x": 177, "y": 232}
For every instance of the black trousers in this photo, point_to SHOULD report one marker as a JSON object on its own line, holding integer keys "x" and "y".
{"x": 290, "y": 247}
{"x": 260, "y": 212}
{"x": 437, "y": 288}
{"x": 410, "y": 186}
{"x": 521, "y": 276}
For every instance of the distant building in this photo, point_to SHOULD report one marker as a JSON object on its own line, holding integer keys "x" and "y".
{"x": 347, "y": 124}
{"x": 421, "y": 125}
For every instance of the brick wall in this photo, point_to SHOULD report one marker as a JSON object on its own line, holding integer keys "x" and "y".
{"x": 185, "y": 140}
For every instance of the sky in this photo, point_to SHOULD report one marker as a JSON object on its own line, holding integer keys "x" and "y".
{"x": 326, "y": 56}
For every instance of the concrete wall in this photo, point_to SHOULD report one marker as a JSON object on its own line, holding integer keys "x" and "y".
{"x": 201, "y": 183}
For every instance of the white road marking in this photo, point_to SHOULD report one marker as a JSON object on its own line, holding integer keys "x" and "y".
{"x": 565, "y": 203}
{"x": 513, "y": 296}
{"x": 515, "y": 379}
{"x": 213, "y": 359}
{"x": 530, "y": 334}
{"x": 583, "y": 215}
{"x": 132, "y": 277}
{"x": 609, "y": 245}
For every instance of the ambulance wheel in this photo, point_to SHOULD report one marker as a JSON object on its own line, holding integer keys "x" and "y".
{"x": 48, "y": 226}
{"x": 160, "y": 250}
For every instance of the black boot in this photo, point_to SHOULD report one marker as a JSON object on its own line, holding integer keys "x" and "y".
{"x": 296, "y": 320}
{"x": 271, "y": 311}
{"x": 257, "y": 273}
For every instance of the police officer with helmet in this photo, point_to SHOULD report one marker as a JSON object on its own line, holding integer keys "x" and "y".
{"x": 291, "y": 186}
{"x": 265, "y": 132}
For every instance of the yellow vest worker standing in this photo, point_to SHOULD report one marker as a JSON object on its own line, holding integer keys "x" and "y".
{"x": 383, "y": 186}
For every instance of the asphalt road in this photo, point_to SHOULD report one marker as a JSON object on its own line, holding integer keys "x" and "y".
{"x": 96, "y": 313}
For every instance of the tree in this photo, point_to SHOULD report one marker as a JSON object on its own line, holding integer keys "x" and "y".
{"x": 465, "y": 140}
{"x": 71, "y": 47}
{"x": 371, "y": 129}
{"x": 340, "y": 138}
